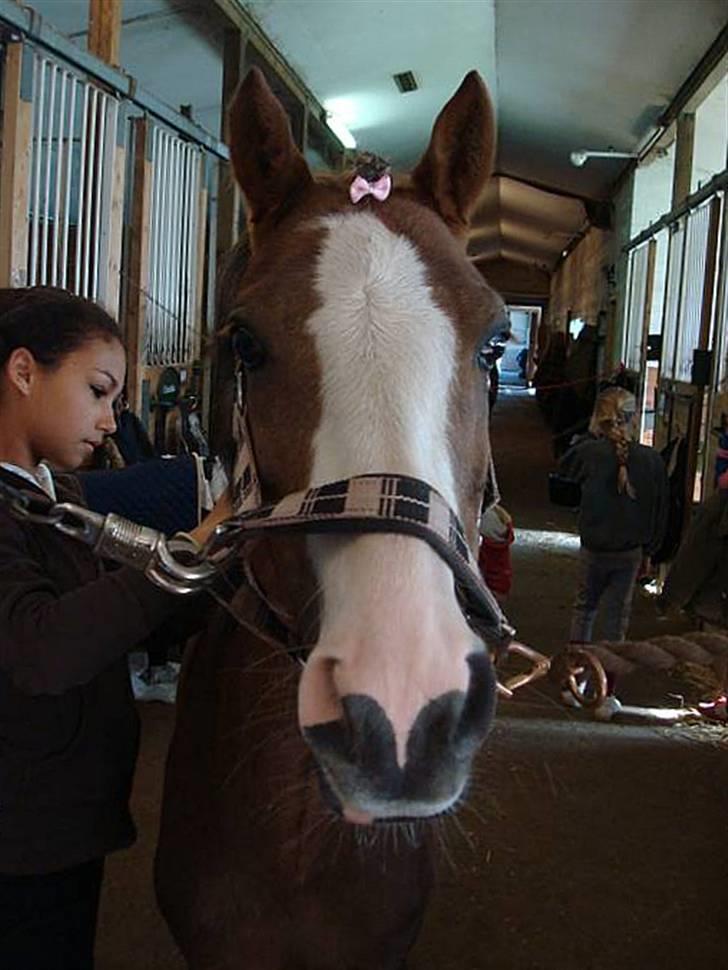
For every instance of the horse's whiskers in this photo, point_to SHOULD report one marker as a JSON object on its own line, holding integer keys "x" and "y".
{"x": 275, "y": 737}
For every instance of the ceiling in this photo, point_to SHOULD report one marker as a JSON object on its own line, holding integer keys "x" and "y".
{"x": 564, "y": 74}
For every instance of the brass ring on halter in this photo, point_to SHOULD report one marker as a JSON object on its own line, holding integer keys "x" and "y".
{"x": 585, "y": 666}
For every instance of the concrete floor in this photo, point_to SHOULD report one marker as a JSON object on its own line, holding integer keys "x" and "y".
{"x": 582, "y": 846}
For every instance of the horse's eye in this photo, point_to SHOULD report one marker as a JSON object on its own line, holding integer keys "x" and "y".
{"x": 248, "y": 349}
{"x": 492, "y": 349}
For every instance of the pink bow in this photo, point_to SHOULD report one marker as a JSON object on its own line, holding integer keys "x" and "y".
{"x": 379, "y": 189}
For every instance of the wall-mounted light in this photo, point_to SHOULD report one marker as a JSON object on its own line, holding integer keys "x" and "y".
{"x": 340, "y": 113}
{"x": 581, "y": 156}
{"x": 340, "y": 130}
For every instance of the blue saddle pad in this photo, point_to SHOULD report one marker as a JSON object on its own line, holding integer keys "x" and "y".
{"x": 162, "y": 493}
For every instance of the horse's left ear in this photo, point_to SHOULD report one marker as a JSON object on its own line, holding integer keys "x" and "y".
{"x": 268, "y": 166}
{"x": 459, "y": 160}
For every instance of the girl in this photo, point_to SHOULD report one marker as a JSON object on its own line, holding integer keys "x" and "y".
{"x": 68, "y": 725}
{"x": 622, "y": 519}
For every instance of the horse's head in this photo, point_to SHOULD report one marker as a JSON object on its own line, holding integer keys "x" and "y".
{"x": 365, "y": 334}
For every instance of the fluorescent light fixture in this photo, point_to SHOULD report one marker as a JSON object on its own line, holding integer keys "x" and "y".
{"x": 581, "y": 156}
{"x": 340, "y": 130}
{"x": 340, "y": 113}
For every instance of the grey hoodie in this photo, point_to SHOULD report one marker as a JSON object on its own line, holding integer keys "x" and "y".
{"x": 610, "y": 521}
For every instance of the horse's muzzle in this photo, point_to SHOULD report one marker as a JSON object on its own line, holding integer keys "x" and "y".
{"x": 358, "y": 759}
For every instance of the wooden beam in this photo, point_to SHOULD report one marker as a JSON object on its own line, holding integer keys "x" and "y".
{"x": 138, "y": 278}
{"x": 683, "y": 159}
{"x": 17, "y": 143}
{"x": 104, "y": 30}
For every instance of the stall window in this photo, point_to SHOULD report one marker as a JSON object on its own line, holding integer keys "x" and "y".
{"x": 636, "y": 306}
{"x": 691, "y": 302}
{"x": 652, "y": 195}
{"x": 710, "y": 142}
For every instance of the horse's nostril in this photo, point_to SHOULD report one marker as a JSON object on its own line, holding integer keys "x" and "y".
{"x": 371, "y": 743}
{"x": 479, "y": 707}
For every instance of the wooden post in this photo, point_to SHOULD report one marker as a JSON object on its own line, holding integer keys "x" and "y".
{"x": 104, "y": 30}
{"x": 116, "y": 221}
{"x": 138, "y": 278}
{"x": 200, "y": 306}
{"x": 646, "y": 313}
{"x": 208, "y": 311}
{"x": 696, "y": 429}
{"x": 17, "y": 144}
{"x": 683, "y": 159}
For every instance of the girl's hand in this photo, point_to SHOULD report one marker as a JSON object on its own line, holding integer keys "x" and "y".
{"x": 222, "y": 510}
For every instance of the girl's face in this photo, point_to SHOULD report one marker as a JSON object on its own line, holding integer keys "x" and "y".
{"x": 70, "y": 407}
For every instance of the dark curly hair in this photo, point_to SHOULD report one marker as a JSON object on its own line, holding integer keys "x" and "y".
{"x": 50, "y": 323}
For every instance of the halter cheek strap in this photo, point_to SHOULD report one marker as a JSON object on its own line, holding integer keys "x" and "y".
{"x": 245, "y": 485}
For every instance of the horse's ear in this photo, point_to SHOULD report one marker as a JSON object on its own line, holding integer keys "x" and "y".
{"x": 459, "y": 159}
{"x": 268, "y": 166}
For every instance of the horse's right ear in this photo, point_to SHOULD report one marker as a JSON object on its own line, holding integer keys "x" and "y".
{"x": 268, "y": 166}
{"x": 459, "y": 160}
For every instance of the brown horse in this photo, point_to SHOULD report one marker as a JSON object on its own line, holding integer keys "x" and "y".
{"x": 298, "y": 842}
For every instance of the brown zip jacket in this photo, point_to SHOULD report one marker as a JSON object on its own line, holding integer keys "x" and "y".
{"x": 68, "y": 725}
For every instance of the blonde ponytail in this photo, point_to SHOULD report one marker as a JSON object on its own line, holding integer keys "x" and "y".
{"x": 611, "y": 419}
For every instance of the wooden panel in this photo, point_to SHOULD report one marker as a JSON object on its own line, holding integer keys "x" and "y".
{"x": 17, "y": 111}
{"x": 104, "y": 30}
{"x": 138, "y": 279}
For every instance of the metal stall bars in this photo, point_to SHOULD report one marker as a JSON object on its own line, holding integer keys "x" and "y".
{"x": 76, "y": 183}
{"x": 637, "y": 324}
{"x": 687, "y": 328}
{"x": 176, "y": 250}
{"x": 694, "y": 328}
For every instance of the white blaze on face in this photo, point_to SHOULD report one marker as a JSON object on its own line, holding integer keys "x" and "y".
{"x": 387, "y": 355}
{"x": 391, "y": 627}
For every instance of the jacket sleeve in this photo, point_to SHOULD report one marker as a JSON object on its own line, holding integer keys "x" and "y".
{"x": 52, "y": 641}
{"x": 696, "y": 559}
{"x": 660, "y": 510}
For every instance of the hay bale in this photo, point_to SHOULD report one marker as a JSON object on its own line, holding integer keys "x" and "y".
{"x": 715, "y": 643}
{"x": 682, "y": 649}
{"x": 611, "y": 661}
{"x": 642, "y": 653}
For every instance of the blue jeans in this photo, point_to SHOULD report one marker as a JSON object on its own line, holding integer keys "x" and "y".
{"x": 607, "y": 578}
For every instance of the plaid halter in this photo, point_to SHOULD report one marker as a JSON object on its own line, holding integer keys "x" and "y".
{"x": 374, "y": 503}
